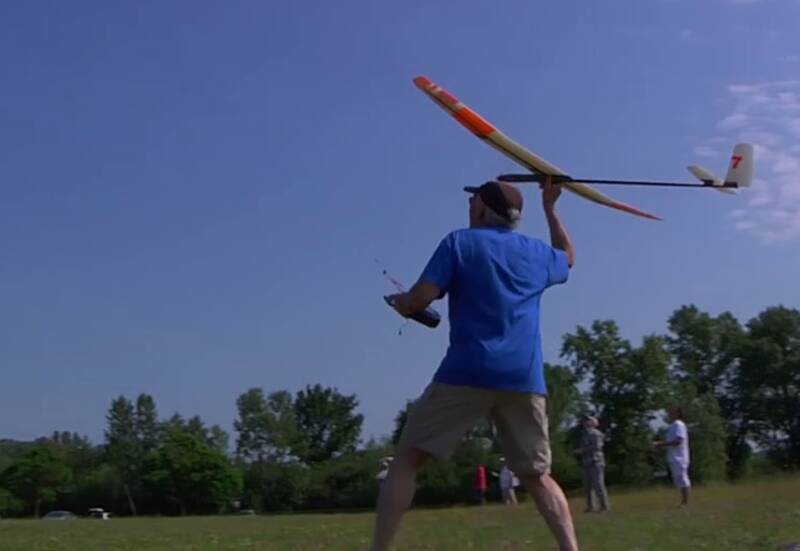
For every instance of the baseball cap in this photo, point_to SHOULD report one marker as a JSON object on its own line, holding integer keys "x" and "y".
{"x": 498, "y": 196}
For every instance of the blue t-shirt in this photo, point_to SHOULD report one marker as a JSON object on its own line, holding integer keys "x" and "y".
{"x": 494, "y": 278}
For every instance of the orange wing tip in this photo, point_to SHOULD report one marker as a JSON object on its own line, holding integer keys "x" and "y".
{"x": 463, "y": 114}
{"x": 632, "y": 210}
{"x": 423, "y": 82}
{"x": 440, "y": 94}
{"x": 474, "y": 122}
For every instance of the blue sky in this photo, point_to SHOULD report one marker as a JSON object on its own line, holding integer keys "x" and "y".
{"x": 192, "y": 194}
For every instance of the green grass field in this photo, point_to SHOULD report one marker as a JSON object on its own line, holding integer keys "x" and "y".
{"x": 753, "y": 516}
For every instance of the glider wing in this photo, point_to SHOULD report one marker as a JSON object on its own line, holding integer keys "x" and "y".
{"x": 487, "y": 132}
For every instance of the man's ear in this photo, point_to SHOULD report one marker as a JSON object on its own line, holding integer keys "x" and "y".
{"x": 481, "y": 209}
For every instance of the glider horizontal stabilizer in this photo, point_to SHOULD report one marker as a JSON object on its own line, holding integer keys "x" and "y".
{"x": 740, "y": 171}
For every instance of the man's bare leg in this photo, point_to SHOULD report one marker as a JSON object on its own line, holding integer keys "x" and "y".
{"x": 553, "y": 506}
{"x": 396, "y": 495}
{"x": 684, "y": 496}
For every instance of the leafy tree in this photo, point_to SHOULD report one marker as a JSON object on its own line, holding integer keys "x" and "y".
{"x": 76, "y": 451}
{"x": 122, "y": 446}
{"x": 196, "y": 427}
{"x": 214, "y": 436}
{"x": 83, "y": 460}
{"x": 329, "y": 426}
{"x": 705, "y": 349}
{"x": 626, "y": 386}
{"x": 566, "y": 467}
{"x": 9, "y": 504}
{"x": 563, "y": 396}
{"x": 347, "y": 481}
{"x": 218, "y": 438}
{"x": 267, "y": 426}
{"x": 276, "y": 486}
{"x": 176, "y": 422}
{"x": 768, "y": 383}
{"x": 95, "y": 487}
{"x": 453, "y": 481}
{"x": 11, "y": 450}
{"x": 146, "y": 425}
{"x": 36, "y": 477}
{"x": 564, "y": 408}
{"x": 191, "y": 473}
{"x": 706, "y": 353}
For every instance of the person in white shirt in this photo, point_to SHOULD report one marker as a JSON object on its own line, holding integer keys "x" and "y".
{"x": 677, "y": 445}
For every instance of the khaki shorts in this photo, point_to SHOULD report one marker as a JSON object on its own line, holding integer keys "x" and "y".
{"x": 439, "y": 418}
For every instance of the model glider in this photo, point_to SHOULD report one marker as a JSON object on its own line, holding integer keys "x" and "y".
{"x": 739, "y": 174}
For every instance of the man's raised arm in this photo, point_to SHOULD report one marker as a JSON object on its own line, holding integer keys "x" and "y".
{"x": 559, "y": 238}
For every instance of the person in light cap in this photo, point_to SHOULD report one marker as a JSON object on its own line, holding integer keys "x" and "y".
{"x": 594, "y": 464}
{"x": 493, "y": 368}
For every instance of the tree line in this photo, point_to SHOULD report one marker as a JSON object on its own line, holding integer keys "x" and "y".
{"x": 738, "y": 384}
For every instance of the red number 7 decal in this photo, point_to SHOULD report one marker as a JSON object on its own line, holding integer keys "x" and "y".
{"x": 736, "y": 160}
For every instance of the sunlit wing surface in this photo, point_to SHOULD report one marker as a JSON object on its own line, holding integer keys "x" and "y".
{"x": 494, "y": 137}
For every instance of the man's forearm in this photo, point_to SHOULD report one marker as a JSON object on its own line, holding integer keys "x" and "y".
{"x": 559, "y": 237}
{"x": 417, "y": 299}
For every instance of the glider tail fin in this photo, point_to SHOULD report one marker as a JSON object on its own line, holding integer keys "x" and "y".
{"x": 740, "y": 170}
{"x": 709, "y": 179}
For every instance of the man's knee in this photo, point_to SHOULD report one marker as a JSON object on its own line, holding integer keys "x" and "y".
{"x": 534, "y": 479}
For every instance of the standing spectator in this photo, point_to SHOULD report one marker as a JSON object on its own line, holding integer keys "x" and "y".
{"x": 594, "y": 464}
{"x": 384, "y": 472}
{"x": 481, "y": 484}
{"x": 508, "y": 481}
{"x": 677, "y": 446}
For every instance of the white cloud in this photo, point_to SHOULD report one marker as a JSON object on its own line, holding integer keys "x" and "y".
{"x": 706, "y": 151}
{"x": 768, "y": 115}
{"x": 794, "y": 126}
{"x": 737, "y": 120}
{"x": 785, "y": 163}
{"x": 759, "y": 201}
{"x": 764, "y": 138}
{"x": 791, "y": 58}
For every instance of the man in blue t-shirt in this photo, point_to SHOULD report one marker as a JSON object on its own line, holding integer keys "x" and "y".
{"x": 494, "y": 278}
